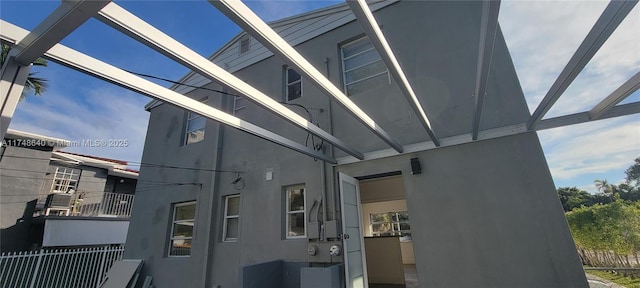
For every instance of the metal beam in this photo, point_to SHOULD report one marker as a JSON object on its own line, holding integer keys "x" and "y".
{"x": 14, "y": 76}
{"x": 369, "y": 24}
{"x": 85, "y": 64}
{"x": 612, "y": 100}
{"x": 8, "y": 31}
{"x": 612, "y": 16}
{"x": 621, "y": 110}
{"x": 252, "y": 24}
{"x": 445, "y": 142}
{"x": 488, "y": 31}
{"x": 68, "y": 16}
{"x": 583, "y": 117}
{"x": 122, "y": 20}
{"x": 60, "y": 23}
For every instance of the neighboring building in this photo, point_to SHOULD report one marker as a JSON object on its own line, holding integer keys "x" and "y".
{"x": 249, "y": 213}
{"x": 51, "y": 198}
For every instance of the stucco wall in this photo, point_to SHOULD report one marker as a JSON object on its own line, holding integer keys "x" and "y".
{"x": 23, "y": 169}
{"x": 115, "y": 184}
{"x": 84, "y": 232}
{"x": 485, "y": 214}
{"x": 184, "y": 173}
{"x": 262, "y": 229}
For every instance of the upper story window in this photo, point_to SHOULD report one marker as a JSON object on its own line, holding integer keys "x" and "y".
{"x": 245, "y": 44}
{"x": 65, "y": 180}
{"x": 363, "y": 69}
{"x": 231, "y": 225}
{"x": 295, "y": 212}
{"x": 294, "y": 85}
{"x": 194, "y": 128}
{"x": 182, "y": 224}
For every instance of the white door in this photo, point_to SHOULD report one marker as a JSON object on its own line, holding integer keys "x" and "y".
{"x": 355, "y": 267}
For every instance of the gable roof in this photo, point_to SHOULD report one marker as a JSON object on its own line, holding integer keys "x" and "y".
{"x": 295, "y": 30}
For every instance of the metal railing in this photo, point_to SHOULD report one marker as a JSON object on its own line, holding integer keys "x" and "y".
{"x": 110, "y": 205}
{"x": 95, "y": 204}
{"x": 79, "y": 267}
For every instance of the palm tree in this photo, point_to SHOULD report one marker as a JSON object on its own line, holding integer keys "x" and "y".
{"x": 604, "y": 187}
{"x": 35, "y": 85}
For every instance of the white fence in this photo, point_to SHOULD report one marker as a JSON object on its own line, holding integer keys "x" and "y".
{"x": 79, "y": 267}
{"x": 111, "y": 205}
{"x": 102, "y": 204}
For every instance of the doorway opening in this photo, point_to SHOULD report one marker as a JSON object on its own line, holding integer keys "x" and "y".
{"x": 386, "y": 229}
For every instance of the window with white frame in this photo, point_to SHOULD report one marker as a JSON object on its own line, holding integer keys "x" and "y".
{"x": 295, "y": 212}
{"x": 65, "y": 180}
{"x": 390, "y": 223}
{"x": 231, "y": 223}
{"x": 294, "y": 84}
{"x": 182, "y": 224}
{"x": 362, "y": 67}
{"x": 194, "y": 130}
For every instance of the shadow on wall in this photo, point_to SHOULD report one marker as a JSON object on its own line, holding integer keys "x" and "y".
{"x": 283, "y": 274}
{"x": 15, "y": 238}
{"x": 274, "y": 274}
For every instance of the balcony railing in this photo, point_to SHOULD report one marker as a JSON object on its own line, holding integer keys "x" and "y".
{"x": 94, "y": 204}
{"x": 112, "y": 205}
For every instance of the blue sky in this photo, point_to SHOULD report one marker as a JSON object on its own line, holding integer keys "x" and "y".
{"x": 541, "y": 36}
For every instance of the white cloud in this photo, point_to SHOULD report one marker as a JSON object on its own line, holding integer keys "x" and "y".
{"x": 542, "y": 36}
{"x": 611, "y": 66}
{"x": 592, "y": 148}
{"x": 591, "y": 188}
{"x": 104, "y": 113}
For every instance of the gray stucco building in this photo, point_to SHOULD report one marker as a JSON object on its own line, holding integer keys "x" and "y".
{"x": 52, "y": 198}
{"x": 239, "y": 211}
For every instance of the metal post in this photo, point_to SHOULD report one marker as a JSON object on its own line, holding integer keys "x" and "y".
{"x": 100, "y": 272}
{"x": 37, "y": 269}
{"x": 14, "y": 76}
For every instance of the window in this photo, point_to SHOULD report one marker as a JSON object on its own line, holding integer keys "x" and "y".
{"x": 65, "y": 180}
{"x": 194, "y": 130}
{"x": 362, "y": 66}
{"x": 245, "y": 44}
{"x": 295, "y": 213}
{"x": 231, "y": 218}
{"x": 390, "y": 223}
{"x": 294, "y": 84}
{"x": 182, "y": 224}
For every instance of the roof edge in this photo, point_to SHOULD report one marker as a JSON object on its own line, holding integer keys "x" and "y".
{"x": 49, "y": 141}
